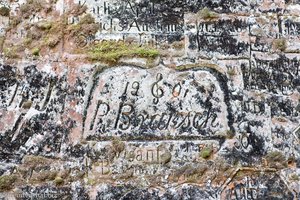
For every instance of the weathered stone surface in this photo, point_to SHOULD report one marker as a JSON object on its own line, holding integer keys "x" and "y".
{"x": 149, "y": 99}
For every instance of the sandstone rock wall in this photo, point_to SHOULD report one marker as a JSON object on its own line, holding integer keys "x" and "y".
{"x": 149, "y": 99}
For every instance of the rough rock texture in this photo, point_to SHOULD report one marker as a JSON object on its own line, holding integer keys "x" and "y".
{"x": 149, "y": 99}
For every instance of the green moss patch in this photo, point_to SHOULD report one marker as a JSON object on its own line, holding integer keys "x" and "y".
{"x": 207, "y": 14}
{"x": 35, "y": 51}
{"x": 33, "y": 6}
{"x": 7, "y": 182}
{"x": 280, "y": 44}
{"x": 4, "y": 11}
{"x": 113, "y": 51}
{"x": 58, "y": 181}
{"x": 11, "y": 52}
{"x": 44, "y": 25}
{"x": 86, "y": 27}
{"x": 206, "y": 152}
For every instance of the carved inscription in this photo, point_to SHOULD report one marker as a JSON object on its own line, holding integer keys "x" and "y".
{"x": 255, "y": 186}
{"x": 156, "y": 103}
{"x": 147, "y": 158}
{"x": 279, "y": 76}
{"x": 220, "y": 36}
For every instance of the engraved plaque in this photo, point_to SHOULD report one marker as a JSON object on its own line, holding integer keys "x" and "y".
{"x": 156, "y": 103}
